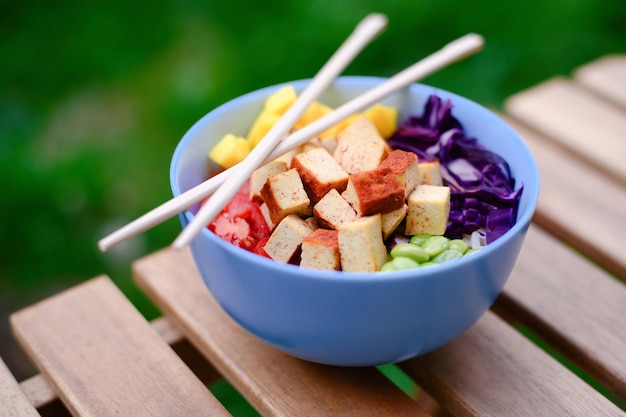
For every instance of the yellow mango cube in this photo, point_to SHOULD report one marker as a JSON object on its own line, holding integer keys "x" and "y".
{"x": 263, "y": 123}
{"x": 229, "y": 151}
{"x": 384, "y": 118}
{"x": 334, "y": 131}
{"x": 315, "y": 111}
{"x": 280, "y": 101}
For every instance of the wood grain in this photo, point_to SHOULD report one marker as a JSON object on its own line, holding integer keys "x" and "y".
{"x": 572, "y": 304}
{"x": 102, "y": 357}
{"x": 492, "y": 370}
{"x": 274, "y": 383}
{"x": 13, "y": 402}
{"x": 577, "y": 120}
{"x": 583, "y": 207}
{"x": 606, "y": 76}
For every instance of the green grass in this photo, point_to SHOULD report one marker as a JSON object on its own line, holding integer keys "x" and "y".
{"x": 94, "y": 97}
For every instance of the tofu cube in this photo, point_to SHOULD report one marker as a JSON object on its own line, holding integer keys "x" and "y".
{"x": 406, "y": 168}
{"x": 320, "y": 173}
{"x": 360, "y": 147}
{"x": 284, "y": 194}
{"x": 260, "y": 176}
{"x": 320, "y": 250}
{"x": 392, "y": 220}
{"x": 430, "y": 173}
{"x": 429, "y": 208}
{"x": 375, "y": 191}
{"x": 285, "y": 240}
{"x": 333, "y": 210}
{"x": 361, "y": 246}
{"x": 266, "y": 215}
{"x": 312, "y": 222}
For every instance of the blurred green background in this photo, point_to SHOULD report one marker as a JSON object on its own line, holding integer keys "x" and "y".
{"x": 95, "y": 95}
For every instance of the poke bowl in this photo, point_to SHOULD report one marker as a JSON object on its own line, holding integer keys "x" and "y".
{"x": 350, "y": 318}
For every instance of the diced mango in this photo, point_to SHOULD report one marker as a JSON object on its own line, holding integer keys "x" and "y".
{"x": 384, "y": 118}
{"x": 315, "y": 111}
{"x": 280, "y": 101}
{"x": 229, "y": 151}
{"x": 334, "y": 131}
{"x": 263, "y": 123}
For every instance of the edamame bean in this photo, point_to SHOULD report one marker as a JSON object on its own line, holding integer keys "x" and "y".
{"x": 402, "y": 263}
{"x": 435, "y": 245}
{"x": 447, "y": 255}
{"x": 471, "y": 250}
{"x": 399, "y": 263}
{"x": 388, "y": 267}
{"x": 409, "y": 250}
{"x": 458, "y": 244}
{"x": 418, "y": 239}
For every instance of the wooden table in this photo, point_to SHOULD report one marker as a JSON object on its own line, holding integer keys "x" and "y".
{"x": 553, "y": 344}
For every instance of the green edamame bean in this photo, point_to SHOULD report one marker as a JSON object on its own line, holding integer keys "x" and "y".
{"x": 447, "y": 255}
{"x": 435, "y": 245}
{"x": 458, "y": 244}
{"x": 429, "y": 263}
{"x": 418, "y": 239}
{"x": 401, "y": 263}
{"x": 471, "y": 250}
{"x": 388, "y": 267}
{"x": 411, "y": 251}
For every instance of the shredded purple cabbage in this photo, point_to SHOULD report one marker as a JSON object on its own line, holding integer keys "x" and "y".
{"x": 483, "y": 194}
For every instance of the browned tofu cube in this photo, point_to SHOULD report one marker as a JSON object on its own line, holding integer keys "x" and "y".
{"x": 333, "y": 210}
{"x": 320, "y": 250}
{"x": 360, "y": 147}
{"x": 286, "y": 238}
{"x": 284, "y": 194}
{"x": 320, "y": 172}
{"x": 405, "y": 166}
{"x": 375, "y": 191}
{"x": 429, "y": 209}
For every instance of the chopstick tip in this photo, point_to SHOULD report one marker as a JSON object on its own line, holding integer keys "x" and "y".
{"x": 376, "y": 21}
{"x": 179, "y": 243}
{"x": 103, "y": 245}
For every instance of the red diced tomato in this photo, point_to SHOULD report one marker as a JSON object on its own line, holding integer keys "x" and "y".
{"x": 242, "y": 223}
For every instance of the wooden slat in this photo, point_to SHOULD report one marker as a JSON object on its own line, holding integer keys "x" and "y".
{"x": 102, "y": 357}
{"x": 580, "y": 205}
{"x": 492, "y": 370}
{"x": 13, "y": 402}
{"x": 572, "y": 304}
{"x": 274, "y": 383}
{"x": 40, "y": 393}
{"x": 578, "y": 120}
{"x": 606, "y": 76}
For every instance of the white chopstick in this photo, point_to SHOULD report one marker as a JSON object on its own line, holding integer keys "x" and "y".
{"x": 452, "y": 52}
{"x": 362, "y": 35}
{"x": 227, "y": 190}
{"x": 365, "y": 31}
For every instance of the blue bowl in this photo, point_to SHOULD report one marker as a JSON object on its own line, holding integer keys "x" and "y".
{"x": 354, "y": 319}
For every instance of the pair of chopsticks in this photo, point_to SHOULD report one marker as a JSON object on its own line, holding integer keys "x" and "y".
{"x": 224, "y": 185}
